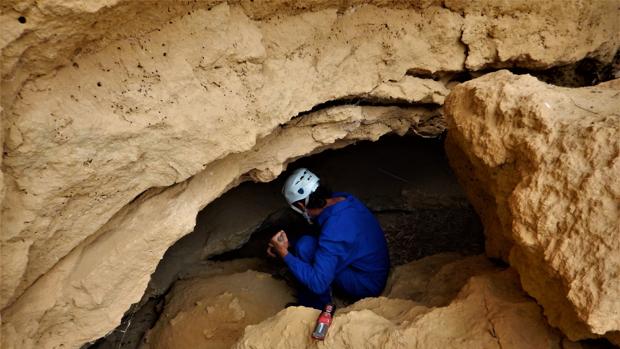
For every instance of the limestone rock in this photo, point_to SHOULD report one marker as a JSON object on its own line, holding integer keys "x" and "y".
{"x": 117, "y": 114}
{"x": 412, "y": 90}
{"x": 155, "y": 110}
{"x": 436, "y": 280}
{"x": 536, "y": 34}
{"x": 491, "y": 311}
{"x": 137, "y": 95}
{"x": 212, "y": 312}
{"x": 90, "y": 284}
{"x": 540, "y": 164}
{"x": 40, "y": 37}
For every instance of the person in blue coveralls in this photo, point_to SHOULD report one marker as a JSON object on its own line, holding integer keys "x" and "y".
{"x": 350, "y": 255}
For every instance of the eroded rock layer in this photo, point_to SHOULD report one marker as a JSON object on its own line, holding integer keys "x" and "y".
{"x": 540, "y": 164}
{"x": 87, "y": 284}
{"x": 122, "y": 119}
{"x": 212, "y": 312}
{"x": 449, "y": 302}
{"x": 153, "y": 111}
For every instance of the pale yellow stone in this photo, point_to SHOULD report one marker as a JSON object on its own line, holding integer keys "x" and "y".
{"x": 212, "y": 312}
{"x": 540, "y": 163}
{"x": 122, "y": 119}
{"x": 490, "y": 311}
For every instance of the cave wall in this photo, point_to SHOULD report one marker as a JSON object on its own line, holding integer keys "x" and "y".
{"x": 157, "y": 120}
{"x": 121, "y": 121}
{"x": 89, "y": 286}
{"x": 540, "y": 163}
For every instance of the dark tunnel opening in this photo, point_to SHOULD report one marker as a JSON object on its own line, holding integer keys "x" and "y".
{"x": 405, "y": 181}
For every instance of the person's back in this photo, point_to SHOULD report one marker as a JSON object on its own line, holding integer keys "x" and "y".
{"x": 361, "y": 236}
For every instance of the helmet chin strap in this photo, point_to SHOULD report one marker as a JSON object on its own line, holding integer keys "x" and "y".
{"x": 307, "y": 217}
{"x": 304, "y": 212}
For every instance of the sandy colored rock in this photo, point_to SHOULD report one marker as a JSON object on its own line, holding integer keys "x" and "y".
{"x": 212, "y": 312}
{"x": 154, "y": 111}
{"x": 116, "y": 116}
{"x": 90, "y": 284}
{"x": 411, "y": 90}
{"x": 494, "y": 30}
{"x": 491, "y": 311}
{"x": 130, "y": 103}
{"x": 540, "y": 164}
{"x": 436, "y": 280}
{"x": 536, "y": 34}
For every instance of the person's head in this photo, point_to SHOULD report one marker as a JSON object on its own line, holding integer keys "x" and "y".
{"x": 305, "y": 194}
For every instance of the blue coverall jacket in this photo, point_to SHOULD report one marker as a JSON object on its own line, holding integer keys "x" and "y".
{"x": 350, "y": 253}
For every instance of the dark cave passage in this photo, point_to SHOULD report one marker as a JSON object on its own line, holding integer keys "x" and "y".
{"x": 405, "y": 181}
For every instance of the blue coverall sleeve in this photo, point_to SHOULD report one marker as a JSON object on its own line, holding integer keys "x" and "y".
{"x": 319, "y": 275}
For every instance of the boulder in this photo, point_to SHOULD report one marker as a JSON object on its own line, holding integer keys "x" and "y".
{"x": 489, "y": 311}
{"x": 212, "y": 312}
{"x": 540, "y": 164}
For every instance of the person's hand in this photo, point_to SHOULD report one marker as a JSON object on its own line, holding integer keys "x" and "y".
{"x": 278, "y": 244}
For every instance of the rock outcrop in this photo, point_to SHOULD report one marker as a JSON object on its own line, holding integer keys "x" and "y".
{"x": 122, "y": 119}
{"x": 489, "y": 311}
{"x": 213, "y": 312}
{"x": 540, "y": 163}
{"x": 130, "y": 118}
{"x": 442, "y": 300}
{"x": 436, "y": 280}
{"x": 87, "y": 284}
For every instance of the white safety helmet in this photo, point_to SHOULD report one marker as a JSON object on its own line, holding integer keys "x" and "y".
{"x": 298, "y": 186}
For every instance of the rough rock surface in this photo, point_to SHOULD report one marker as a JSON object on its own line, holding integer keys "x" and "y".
{"x": 104, "y": 101}
{"x": 130, "y": 118}
{"x": 89, "y": 285}
{"x": 435, "y": 281}
{"x": 515, "y": 33}
{"x": 489, "y": 311}
{"x": 212, "y": 312}
{"x": 540, "y": 164}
